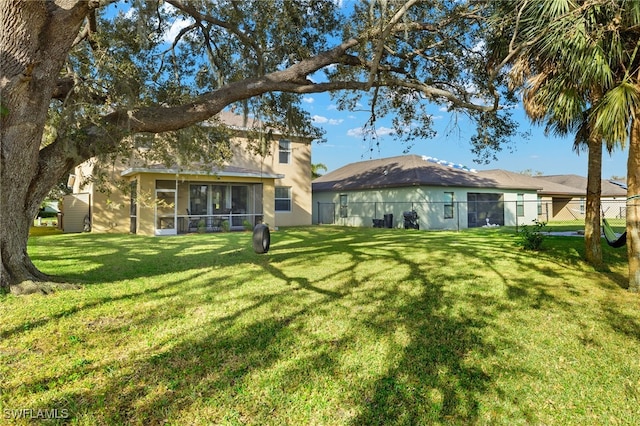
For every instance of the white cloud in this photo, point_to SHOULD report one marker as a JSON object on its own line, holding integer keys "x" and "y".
{"x": 175, "y": 29}
{"x": 480, "y": 47}
{"x": 385, "y": 131}
{"x": 177, "y": 25}
{"x": 324, "y": 120}
{"x": 308, "y": 100}
{"x": 380, "y": 131}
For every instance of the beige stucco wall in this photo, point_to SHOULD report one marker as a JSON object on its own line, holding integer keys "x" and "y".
{"x": 566, "y": 208}
{"x": 111, "y": 209}
{"x": 297, "y": 176}
{"x": 110, "y": 204}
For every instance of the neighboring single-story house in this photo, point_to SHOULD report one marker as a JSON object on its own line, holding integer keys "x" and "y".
{"x": 444, "y": 195}
{"x": 154, "y": 199}
{"x": 563, "y": 197}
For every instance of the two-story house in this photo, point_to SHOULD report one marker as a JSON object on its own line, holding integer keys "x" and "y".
{"x": 251, "y": 189}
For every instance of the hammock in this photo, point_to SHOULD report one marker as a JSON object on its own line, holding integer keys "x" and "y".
{"x": 613, "y": 239}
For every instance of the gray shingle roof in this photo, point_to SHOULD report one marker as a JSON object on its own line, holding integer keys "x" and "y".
{"x": 415, "y": 170}
{"x": 553, "y": 185}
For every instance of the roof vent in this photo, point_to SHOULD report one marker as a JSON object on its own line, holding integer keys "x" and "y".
{"x": 448, "y": 164}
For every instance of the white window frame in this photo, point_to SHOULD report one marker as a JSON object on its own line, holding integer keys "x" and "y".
{"x": 520, "y": 205}
{"x": 289, "y": 199}
{"x": 448, "y": 204}
{"x": 344, "y": 205}
{"x": 284, "y": 148}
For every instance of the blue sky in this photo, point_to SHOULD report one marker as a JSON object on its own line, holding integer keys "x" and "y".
{"x": 539, "y": 153}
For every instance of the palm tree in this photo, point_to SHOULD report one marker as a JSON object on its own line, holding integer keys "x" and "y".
{"x": 315, "y": 170}
{"x": 578, "y": 68}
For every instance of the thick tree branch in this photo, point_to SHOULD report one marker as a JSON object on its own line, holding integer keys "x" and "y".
{"x": 294, "y": 79}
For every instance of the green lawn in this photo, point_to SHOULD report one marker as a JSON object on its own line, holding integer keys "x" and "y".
{"x": 333, "y": 326}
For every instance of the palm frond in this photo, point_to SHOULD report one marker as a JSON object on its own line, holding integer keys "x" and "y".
{"x": 613, "y": 114}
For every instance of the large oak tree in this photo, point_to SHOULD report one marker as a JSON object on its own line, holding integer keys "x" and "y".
{"x": 80, "y": 78}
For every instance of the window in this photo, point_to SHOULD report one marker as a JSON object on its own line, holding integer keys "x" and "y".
{"x": 219, "y": 199}
{"x": 539, "y": 206}
{"x": 165, "y": 184}
{"x": 448, "y": 205}
{"x": 520, "y": 205}
{"x": 283, "y": 199}
{"x": 284, "y": 151}
{"x": 343, "y": 205}
{"x": 198, "y": 199}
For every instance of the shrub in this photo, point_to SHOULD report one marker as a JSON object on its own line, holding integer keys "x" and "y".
{"x": 531, "y": 237}
{"x": 225, "y": 225}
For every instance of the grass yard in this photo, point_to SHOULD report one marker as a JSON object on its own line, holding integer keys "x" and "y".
{"x": 333, "y": 326}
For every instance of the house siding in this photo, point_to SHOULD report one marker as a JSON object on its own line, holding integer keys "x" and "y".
{"x": 297, "y": 176}
{"x": 111, "y": 209}
{"x": 428, "y": 202}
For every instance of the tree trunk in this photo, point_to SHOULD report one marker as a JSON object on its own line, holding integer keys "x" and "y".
{"x": 633, "y": 206}
{"x": 36, "y": 37}
{"x": 592, "y": 227}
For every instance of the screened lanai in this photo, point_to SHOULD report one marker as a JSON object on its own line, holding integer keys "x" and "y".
{"x": 182, "y": 202}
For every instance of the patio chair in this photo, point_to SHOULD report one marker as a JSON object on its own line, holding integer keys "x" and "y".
{"x": 192, "y": 222}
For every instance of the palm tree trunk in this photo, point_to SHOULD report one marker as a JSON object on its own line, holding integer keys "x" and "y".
{"x": 633, "y": 206}
{"x": 592, "y": 231}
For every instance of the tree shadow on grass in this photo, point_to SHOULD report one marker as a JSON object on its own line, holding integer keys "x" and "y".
{"x": 426, "y": 379}
{"x": 430, "y": 378}
{"x": 431, "y": 382}
{"x": 154, "y": 383}
{"x": 110, "y": 257}
{"x": 621, "y": 322}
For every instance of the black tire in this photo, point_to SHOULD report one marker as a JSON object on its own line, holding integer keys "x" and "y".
{"x": 261, "y": 238}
